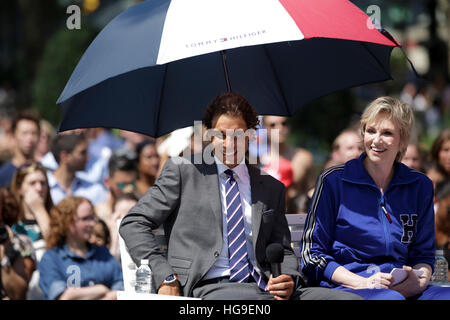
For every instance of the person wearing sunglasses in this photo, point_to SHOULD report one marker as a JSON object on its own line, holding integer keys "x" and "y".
{"x": 72, "y": 268}
{"x": 122, "y": 178}
{"x": 302, "y": 160}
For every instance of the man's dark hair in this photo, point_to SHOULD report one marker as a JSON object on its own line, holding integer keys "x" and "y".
{"x": 25, "y": 115}
{"x": 65, "y": 142}
{"x": 122, "y": 161}
{"x": 233, "y": 104}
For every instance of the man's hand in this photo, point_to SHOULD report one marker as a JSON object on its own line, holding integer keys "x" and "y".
{"x": 281, "y": 287}
{"x": 172, "y": 289}
{"x": 413, "y": 285}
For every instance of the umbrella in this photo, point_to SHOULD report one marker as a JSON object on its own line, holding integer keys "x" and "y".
{"x": 155, "y": 67}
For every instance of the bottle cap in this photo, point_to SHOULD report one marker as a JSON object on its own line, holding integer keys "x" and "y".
{"x": 439, "y": 252}
{"x": 144, "y": 261}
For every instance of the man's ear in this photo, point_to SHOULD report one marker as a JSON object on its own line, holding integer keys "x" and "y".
{"x": 107, "y": 183}
{"x": 63, "y": 155}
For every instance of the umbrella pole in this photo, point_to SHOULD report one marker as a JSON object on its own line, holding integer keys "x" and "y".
{"x": 225, "y": 69}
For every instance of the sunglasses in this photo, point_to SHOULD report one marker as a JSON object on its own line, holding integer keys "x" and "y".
{"x": 273, "y": 125}
{"x": 123, "y": 185}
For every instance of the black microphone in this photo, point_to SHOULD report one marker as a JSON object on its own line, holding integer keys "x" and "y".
{"x": 275, "y": 255}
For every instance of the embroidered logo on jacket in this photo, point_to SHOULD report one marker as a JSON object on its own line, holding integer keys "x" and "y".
{"x": 409, "y": 227}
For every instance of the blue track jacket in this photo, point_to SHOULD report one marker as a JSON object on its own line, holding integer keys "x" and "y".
{"x": 347, "y": 224}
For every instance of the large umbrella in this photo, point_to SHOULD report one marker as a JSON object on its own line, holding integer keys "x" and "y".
{"x": 156, "y": 66}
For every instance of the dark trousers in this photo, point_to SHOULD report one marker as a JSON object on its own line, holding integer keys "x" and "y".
{"x": 225, "y": 290}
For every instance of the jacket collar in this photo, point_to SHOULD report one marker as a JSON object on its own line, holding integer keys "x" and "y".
{"x": 355, "y": 172}
{"x": 66, "y": 252}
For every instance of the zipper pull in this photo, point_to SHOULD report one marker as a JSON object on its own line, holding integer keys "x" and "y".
{"x": 384, "y": 209}
{"x": 386, "y": 214}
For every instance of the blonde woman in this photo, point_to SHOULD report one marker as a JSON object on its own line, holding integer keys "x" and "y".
{"x": 373, "y": 214}
{"x": 72, "y": 268}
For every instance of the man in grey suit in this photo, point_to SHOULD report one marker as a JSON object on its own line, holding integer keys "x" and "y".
{"x": 219, "y": 215}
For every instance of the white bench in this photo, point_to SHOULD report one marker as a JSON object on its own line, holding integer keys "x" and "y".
{"x": 296, "y": 222}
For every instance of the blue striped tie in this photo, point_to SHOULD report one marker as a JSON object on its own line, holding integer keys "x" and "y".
{"x": 240, "y": 265}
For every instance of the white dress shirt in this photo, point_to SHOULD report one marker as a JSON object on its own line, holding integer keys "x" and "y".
{"x": 240, "y": 173}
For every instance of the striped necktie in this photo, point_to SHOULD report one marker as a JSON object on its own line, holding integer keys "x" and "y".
{"x": 240, "y": 265}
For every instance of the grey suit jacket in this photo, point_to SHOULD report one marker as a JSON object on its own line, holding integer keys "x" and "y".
{"x": 186, "y": 200}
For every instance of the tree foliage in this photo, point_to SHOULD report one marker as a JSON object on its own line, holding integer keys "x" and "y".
{"x": 61, "y": 54}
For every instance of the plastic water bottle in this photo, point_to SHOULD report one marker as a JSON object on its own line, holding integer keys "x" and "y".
{"x": 143, "y": 278}
{"x": 440, "y": 273}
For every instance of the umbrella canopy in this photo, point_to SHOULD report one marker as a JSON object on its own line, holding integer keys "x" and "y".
{"x": 156, "y": 66}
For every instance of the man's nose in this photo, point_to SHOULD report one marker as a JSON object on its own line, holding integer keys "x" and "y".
{"x": 229, "y": 141}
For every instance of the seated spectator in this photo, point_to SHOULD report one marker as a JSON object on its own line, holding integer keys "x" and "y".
{"x": 440, "y": 156}
{"x": 16, "y": 251}
{"x": 102, "y": 143}
{"x": 121, "y": 179}
{"x": 30, "y": 188}
{"x": 100, "y": 234}
{"x": 442, "y": 219}
{"x": 148, "y": 166}
{"x": 122, "y": 205}
{"x": 25, "y": 128}
{"x": 72, "y": 268}
{"x": 70, "y": 151}
{"x": 281, "y": 169}
{"x": 302, "y": 161}
{"x": 6, "y": 138}
{"x": 45, "y": 138}
{"x": 346, "y": 146}
{"x": 413, "y": 157}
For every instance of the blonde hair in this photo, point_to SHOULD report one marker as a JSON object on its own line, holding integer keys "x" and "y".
{"x": 400, "y": 113}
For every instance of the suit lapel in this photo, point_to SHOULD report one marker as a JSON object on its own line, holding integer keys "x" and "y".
{"x": 257, "y": 193}
{"x": 213, "y": 191}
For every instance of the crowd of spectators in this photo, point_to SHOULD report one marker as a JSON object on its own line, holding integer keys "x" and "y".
{"x": 74, "y": 186}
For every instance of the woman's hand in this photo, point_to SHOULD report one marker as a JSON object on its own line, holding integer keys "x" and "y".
{"x": 348, "y": 279}
{"x": 379, "y": 280}
{"x": 33, "y": 200}
{"x": 36, "y": 205}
